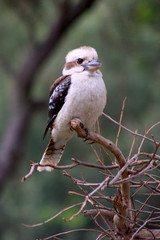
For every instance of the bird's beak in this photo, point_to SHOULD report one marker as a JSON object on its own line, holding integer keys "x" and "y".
{"x": 92, "y": 65}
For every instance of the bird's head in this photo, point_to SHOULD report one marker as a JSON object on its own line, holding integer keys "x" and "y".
{"x": 81, "y": 59}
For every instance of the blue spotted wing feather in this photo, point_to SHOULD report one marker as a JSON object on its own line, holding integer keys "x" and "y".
{"x": 58, "y": 92}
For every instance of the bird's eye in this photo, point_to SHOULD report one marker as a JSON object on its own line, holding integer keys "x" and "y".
{"x": 79, "y": 60}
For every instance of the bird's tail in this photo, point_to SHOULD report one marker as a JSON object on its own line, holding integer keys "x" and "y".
{"x": 51, "y": 156}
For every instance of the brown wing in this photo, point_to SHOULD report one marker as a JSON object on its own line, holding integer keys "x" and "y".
{"x": 58, "y": 92}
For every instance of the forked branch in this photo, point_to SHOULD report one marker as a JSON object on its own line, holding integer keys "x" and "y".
{"x": 120, "y": 217}
{"x": 123, "y": 220}
{"x": 82, "y": 132}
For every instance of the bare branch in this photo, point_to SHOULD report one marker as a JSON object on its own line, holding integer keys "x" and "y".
{"x": 87, "y": 198}
{"x": 120, "y": 121}
{"x": 114, "y": 222}
{"x": 35, "y": 165}
{"x": 53, "y": 217}
{"x": 108, "y": 214}
{"x": 70, "y": 231}
{"x": 128, "y": 130}
{"x": 94, "y": 137}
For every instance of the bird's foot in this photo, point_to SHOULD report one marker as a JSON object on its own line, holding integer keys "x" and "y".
{"x": 79, "y": 127}
{"x": 85, "y": 129}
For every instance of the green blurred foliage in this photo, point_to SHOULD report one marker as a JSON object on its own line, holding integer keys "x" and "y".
{"x": 126, "y": 35}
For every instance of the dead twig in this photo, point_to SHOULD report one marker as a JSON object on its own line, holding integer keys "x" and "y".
{"x": 70, "y": 231}
{"x": 53, "y": 217}
{"x": 78, "y": 126}
{"x": 34, "y": 165}
{"x": 120, "y": 121}
{"x": 123, "y": 220}
{"x": 128, "y": 130}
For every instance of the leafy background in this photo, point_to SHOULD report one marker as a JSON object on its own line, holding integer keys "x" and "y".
{"x": 126, "y": 35}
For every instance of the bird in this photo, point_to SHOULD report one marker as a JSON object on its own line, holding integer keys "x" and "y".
{"x": 79, "y": 93}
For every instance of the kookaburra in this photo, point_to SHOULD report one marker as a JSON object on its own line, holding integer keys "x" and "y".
{"x": 79, "y": 93}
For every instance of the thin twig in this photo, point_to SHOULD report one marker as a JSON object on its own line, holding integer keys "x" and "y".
{"x": 141, "y": 227}
{"x": 71, "y": 231}
{"x": 87, "y": 198}
{"x": 148, "y": 131}
{"x": 34, "y": 165}
{"x": 120, "y": 121}
{"x": 128, "y": 130}
{"x": 53, "y": 217}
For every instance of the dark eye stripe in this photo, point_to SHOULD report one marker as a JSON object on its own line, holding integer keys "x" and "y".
{"x": 69, "y": 65}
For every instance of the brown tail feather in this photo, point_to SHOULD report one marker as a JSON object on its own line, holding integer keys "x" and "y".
{"x": 51, "y": 156}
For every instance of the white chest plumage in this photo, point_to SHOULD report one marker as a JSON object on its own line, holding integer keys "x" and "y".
{"x": 86, "y": 99}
